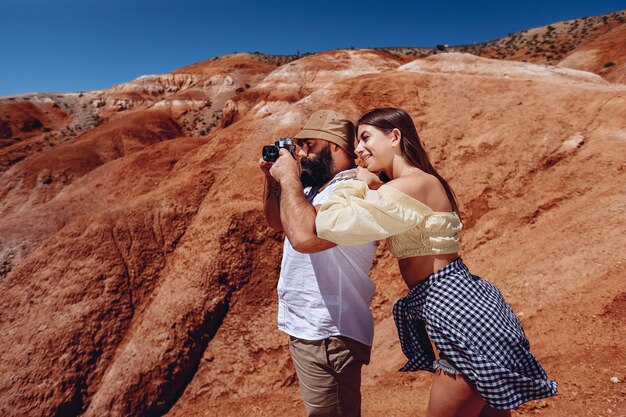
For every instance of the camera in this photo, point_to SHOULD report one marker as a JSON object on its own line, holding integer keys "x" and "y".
{"x": 270, "y": 152}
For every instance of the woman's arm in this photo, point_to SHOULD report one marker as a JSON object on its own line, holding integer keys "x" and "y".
{"x": 354, "y": 214}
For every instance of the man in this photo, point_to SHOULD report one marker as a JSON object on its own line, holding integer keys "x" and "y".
{"x": 324, "y": 290}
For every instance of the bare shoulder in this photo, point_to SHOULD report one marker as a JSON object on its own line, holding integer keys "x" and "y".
{"x": 415, "y": 186}
{"x": 425, "y": 188}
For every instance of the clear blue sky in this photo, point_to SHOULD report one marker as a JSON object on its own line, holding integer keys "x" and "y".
{"x": 78, "y": 45}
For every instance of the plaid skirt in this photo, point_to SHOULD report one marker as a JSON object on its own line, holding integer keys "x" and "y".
{"x": 469, "y": 321}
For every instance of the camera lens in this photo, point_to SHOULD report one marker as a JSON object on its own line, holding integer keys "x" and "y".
{"x": 270, "y": 153}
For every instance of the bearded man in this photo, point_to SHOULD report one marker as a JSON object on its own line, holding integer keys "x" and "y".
{"x": 324, "y": 290}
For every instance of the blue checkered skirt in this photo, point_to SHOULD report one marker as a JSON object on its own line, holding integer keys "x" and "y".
{"x": 468, "y": 321}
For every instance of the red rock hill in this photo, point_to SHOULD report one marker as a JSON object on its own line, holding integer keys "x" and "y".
{"x": 137, "y": 275}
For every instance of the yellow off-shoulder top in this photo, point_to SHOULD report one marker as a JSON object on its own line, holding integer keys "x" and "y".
{"x": 354, "y": 214}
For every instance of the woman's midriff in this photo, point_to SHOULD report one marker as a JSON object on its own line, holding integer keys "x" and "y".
{"x": 416, "y": 269}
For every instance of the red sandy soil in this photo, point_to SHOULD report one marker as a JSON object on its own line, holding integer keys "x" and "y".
{"x": 604, "y": 56}
{"x": 137, "y": 274}
{"x": 21, "y": 121}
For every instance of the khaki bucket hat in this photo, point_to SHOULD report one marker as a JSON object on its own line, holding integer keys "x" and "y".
{"x": 331, "y": 126}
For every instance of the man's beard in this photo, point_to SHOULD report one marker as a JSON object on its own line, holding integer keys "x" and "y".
{"x": 318, "y": 170}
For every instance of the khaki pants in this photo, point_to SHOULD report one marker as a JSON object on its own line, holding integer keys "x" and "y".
{"x": 329, "y": 372}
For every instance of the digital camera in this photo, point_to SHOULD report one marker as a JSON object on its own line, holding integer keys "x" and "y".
{"x": 270, "y": 152}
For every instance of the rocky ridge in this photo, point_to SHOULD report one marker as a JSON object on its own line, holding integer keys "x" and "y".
{"x": 138, "y": 276}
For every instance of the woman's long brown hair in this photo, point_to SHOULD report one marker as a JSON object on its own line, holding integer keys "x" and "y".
{"x": 389, "y": 118}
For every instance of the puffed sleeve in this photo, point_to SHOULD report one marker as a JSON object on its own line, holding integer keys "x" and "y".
{"x": 353, "y": 214}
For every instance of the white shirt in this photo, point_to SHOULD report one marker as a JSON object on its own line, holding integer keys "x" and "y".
{"x": 327, "y": 293}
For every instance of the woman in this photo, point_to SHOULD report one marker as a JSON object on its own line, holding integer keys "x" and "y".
{"x": 484, "y": 367}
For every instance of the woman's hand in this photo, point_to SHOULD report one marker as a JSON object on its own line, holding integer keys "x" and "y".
{"x": 372, "y": 180}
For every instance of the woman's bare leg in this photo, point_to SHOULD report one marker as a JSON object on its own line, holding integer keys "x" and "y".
{"x": 453, "y": 396}
{"x": 488, "y": 411}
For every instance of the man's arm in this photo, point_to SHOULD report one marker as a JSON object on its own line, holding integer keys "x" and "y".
{"x": 271, "y": 198}
{"x": 298, "y": 218}
{"x": 297, "y": 215}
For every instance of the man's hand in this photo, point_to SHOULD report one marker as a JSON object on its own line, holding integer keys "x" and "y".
{"x": 265, "y": 167}
{"x": 286, "y": 168}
